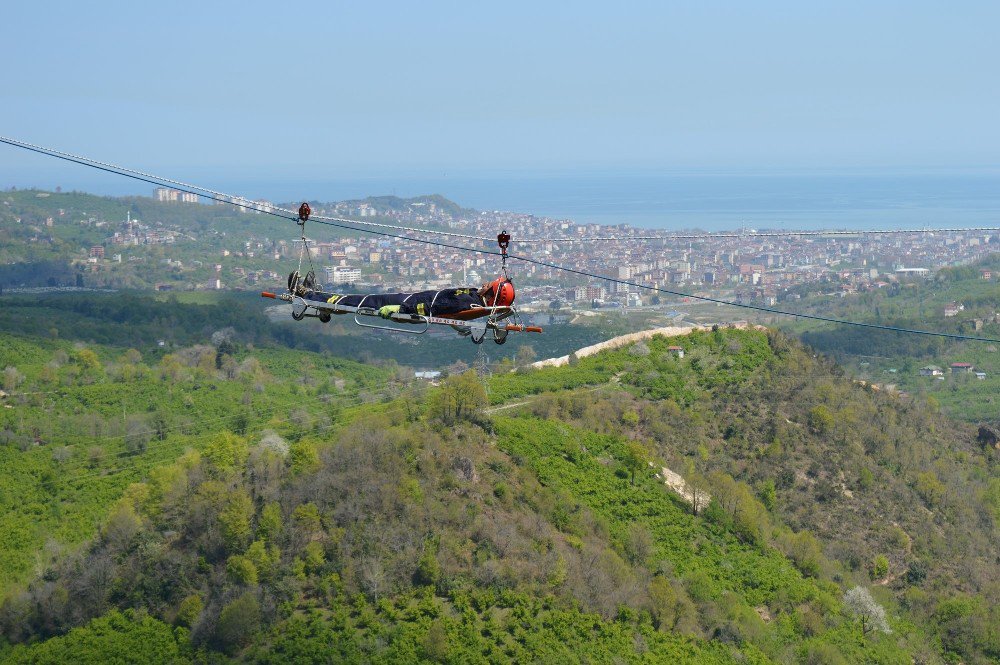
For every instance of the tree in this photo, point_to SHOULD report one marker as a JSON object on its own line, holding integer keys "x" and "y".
{"x": 991, "y": 497}
{"x": 859, "y": 602}
{"x": 526, "y": 355}
{"x": 435, "y": 644}
{"x": 630, "y": 418}
{"x": 137, "y": 435}
{"x": 308, "y": 522}
{"x": 929, "y": 487}
{"x": 372, "y": 576}
{"x": 738, "y": 505}
{"x": 301, "y": 419}
{"x": 820, "y": 419}
{"x": 12, "y": 378}
{"x": 88, "y": 360}
{"x": 697, "y": 486}
{"x": 242, "y": 420}
{"x": 459, "y": 398}
{"x": 235, "y": 520}
{"x": 189, "y": 610}
{"x": 663, "y": 599}
{"x": 225, "y": 451}
{"x": 161, "y": 423}
{"x": 122, "y": 527}
{"x": 95, "y": 456}
{"x": 638, "y": 544}
{"x": 303, "y": 456}
{"x": 635, "y": 458}
{"x": 804, "y": 550}
{"x": 238, "y": 622}
{"x": 269, "y": 525}
{"x": 315, "y": 557}
{"x": 265, "y": 559}
{"x": 767, "y": 493}
{"x": 241, "y": 570}
{"x": 428, "y": 571}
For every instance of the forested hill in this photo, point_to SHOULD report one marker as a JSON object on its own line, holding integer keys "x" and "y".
{"x": 973, "y": 308}
{"x": 46, "y": 238}
{"x": 844, "y": 525}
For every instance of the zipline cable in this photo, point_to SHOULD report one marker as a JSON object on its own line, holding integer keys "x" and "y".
{"x": 344, "y": 224}
{"x": 197, "y": 190}
{"x": 719, "y": 301}
{"x": 756, "y": 234}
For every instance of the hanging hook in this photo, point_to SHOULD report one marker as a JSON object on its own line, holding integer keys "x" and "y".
{"x": 503, "y": 240}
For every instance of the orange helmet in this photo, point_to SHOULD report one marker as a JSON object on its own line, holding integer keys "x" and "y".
{"x": 499, "y": 293}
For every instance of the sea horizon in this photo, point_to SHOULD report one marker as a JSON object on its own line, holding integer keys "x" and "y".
{"x": 710, "y": 201}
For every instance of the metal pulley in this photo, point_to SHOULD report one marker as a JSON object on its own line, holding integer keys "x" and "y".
{"x": 503, "y": 239}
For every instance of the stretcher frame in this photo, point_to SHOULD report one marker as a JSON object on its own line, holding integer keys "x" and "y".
{"x": 468, "y": 320}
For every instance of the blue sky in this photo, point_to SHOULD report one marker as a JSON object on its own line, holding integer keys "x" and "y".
{"x": 367, "y": 88}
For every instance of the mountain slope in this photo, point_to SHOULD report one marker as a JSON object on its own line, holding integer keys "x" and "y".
{"x": 420, "y": 529}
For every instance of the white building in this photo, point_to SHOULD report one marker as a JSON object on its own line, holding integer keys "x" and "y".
{"x": 342, "y": 274}
{"x": 165, "y": 194}
{"x": 168, "y": 195}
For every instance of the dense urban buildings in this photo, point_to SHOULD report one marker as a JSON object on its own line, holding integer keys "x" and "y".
{"x": 750, "y": 267}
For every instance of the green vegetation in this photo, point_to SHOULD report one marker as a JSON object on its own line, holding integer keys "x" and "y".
{"x": 37, "y": 252}
{"x": 820, "y": 521}
{"x": 83, "y": 422}
{"x": 724, "y": 560}
{"x": 712, "y": 360}
{"x": 141, "y": 320}
{"x": 896, "y": 358}
{"x": 115, "y": 638}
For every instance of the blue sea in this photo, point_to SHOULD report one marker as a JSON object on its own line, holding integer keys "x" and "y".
{"x": 710, "y": 201}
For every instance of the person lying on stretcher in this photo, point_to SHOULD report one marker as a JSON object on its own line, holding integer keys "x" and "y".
{"x": 461, "y": 303}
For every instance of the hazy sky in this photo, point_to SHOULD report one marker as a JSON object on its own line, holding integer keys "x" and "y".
{"x": 470, "y": 87}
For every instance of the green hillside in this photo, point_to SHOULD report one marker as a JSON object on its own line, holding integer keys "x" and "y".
{"x": 45, "y": 238}
{"x": 142, "y": 319}
{"x": 82, "y": 422}
{"x": 894, "y": 358}
{"x": 429, "y": 529}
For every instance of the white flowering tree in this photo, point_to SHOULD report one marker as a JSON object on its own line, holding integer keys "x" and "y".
{"x": 12, "y": 378}
{"x": 859, "y": 602}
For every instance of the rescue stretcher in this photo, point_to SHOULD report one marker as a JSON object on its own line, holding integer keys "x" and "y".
{"x": 474, "y": 323}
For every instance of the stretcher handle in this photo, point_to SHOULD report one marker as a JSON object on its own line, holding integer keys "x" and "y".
{"x": 284, "y": 296}
{"x": 409, "y": 318}
{"x": 514, "y": 328}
